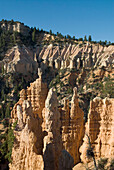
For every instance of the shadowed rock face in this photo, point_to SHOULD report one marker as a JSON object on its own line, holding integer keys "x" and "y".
{"x": 100, "y": 129}
{"x": 73, "y": 127}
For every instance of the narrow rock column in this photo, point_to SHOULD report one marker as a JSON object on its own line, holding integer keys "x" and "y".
{"x": 52, "y": 142}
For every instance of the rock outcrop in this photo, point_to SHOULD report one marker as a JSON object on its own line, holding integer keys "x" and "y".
{"x": 50, "y": 137}
{"x": 100, "y": 129}
{"x": 27, "y": 150}
{"x": 24, "y": 60}
{"x": 52, "y": 141}
{"x": 14, "y": 26}
{"x": 72, "y": 127}
{"x": 38, "y": 142}
{"x": 76, "y": 56}
{"x": 36, "y": 94}
{"x": 21, "y": 60}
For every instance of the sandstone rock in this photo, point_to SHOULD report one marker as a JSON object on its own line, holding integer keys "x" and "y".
{"x": 27, "y": 150}
{"x": 73, "y": 128}
{"x": 52, "y": 142}
{"x": 23, "y": 60}
{"x": 54, "y": 157}
{"x": 20, "y": 60}
{"x": 100, "y": 129}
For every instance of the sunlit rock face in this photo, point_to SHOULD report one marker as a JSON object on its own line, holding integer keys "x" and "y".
{"x": 100, "y": 129}
{"x": 24, "y": 60}
{"x": 38, "y": 138}
{"x": 27, "y": 150}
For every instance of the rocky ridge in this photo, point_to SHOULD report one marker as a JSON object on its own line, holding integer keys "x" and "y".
{"x": 66, "y": 66}
{"x": 69, "y": 56}
{"x": 50, "y": 139}
{"x": 52, "y": 135}
{"x": 14, "y": 26}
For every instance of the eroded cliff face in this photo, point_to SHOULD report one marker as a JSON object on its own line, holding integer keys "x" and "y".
{"x": 72, "y": 127}
{"x": 27, "y": 152}
{"x": 100, "y": 129}
{"x": 51, "y": 124}
{"x": 69, "y": 56}
{"x": 38, "y": 138}
{"x": 21, "y": 60}
{"x": 50, "y": 137}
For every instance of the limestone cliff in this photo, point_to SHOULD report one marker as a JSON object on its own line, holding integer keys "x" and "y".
{"x": 100, "y": 129}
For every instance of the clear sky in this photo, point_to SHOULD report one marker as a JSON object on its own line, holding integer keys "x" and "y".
{"x": 74, "y": 17}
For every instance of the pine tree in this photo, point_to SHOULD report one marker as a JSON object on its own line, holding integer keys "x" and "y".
{"x": 33, "y": 34}
{"x": 2, "y": 69}
{"x": 85, "y": 38}
{"x": 89, "y": 39}
{"x": 50, "y": 31}
{"x": 7, "y": 113}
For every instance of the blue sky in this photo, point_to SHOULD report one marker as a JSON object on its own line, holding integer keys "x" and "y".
{"x": 74, "y": 17}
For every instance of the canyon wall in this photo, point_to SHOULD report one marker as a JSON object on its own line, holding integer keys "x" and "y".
{"x": 38, "y": 138}
{"x": 49, "y": 137}
{"x": 100, "y": 128}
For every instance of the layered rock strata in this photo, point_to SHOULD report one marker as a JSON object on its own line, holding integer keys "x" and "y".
{"x": 100, "y": 129}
